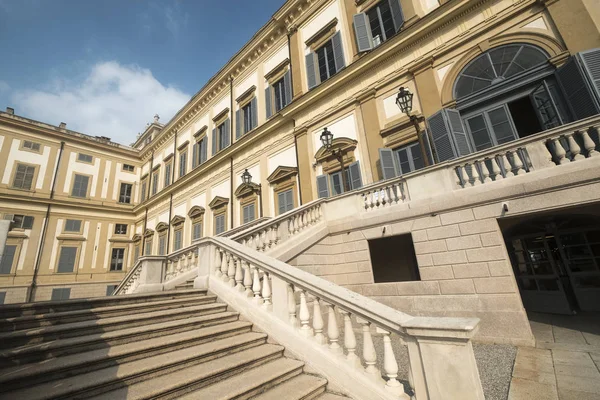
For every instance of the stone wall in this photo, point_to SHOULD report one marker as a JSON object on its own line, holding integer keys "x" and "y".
{"x": 78, "y": 291}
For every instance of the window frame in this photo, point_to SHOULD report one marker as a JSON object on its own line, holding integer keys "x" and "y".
{"x": 178, "y": 231}
{"x": 22, "y": 146}
{"x": 16, "y": 256}
{"x": 88, "y": 186}
{"x": 112, "y": 259}
{"x": 22, "y": 220}
{"x": 143, "y": 189}
{"x": 223, "y": 214}
{"x": 168, "y": 176}
{"x": 125, "y": 197}
{"x": 117, "y": 232}
{"x": 220, "y": 136}
{"x": 377, "y": 8}
{"x": 78, "y": 231}
{"x": 328, "y": 67}
{"x": 62, "y": 246}
{"x": 279, "y": 86}
{"x": 79, "y": 155}
{"x": 155, "y": 182}
{"x": 125, "y": 169}
{"x": 162, "y": 243}
{"x": 283, "y": 191}
{"x": 182, "y": 165}
{"x": 148, "y": 243}
{"x": 34, "y": 176}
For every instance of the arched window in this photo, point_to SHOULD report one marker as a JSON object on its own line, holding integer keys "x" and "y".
{"x": 496, "y": 65}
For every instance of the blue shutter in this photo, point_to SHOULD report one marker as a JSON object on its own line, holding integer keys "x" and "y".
{"x": 397, "y": 14}
{"x": 362, "y": 30}
{"x": 479, "y": 132}
{"x": 214, "y": 141}
{"x": 268, "y": 102}
{"x": 355, "y": 179}
{"x": 227, "y": 132}
{"x": 238, "y": 124}
{"x": 254, "y": 107}
{"x": 338, "y": 51}
{"x": 448, "y": 133}
{"x": 289, "y": 200}
{"x": 7, "y": 259}
{"x": 195, "y": 155}
{"x": 281, "y": 201}
{"x": 577, "y": 91}
{"x": 590, "y": 60}
{"x": 458, "y": 131}
{"x": 287, "y": 87}
{"x": 203, "y": 150}
{"x": 387, "y": 161}
{"x": 322, "y": 186}
{"x": 311, "y": 70}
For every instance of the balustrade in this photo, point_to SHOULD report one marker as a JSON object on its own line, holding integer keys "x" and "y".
{"x": 388, "y": 194}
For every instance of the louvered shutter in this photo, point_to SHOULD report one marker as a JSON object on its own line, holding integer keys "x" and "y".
{"x": 214, "y": 141}
{"x": 479, "y": 132}
{"x": 440, "y": 133}
{"x": 338, "y": 51}
{"x": 203, "y": 150}
{"x": 287, "y": 87}
{"x": 397, "y": 14}
{"x": 590, "y": 59}
{"x": 458, "y": 131}
{"x": 254, "y": 107}
{"x": 502, "y": 125}
{"x": 238, "y": 125}
{"x": 61, "y": 294}
{"x": 355, "y": 179}
{"x": 226, "y": 132}
{"x": 387, "y": 161}
{"x": 404, "y": 159}
{"x": 311, "y": 70}
{"x": 362, "y": 30}
{"x": 195, "y": 155}
{"x": 322, "y": 186}
{"x": 289, "y": 200}
{"x": 66, "y": 260}
{"x": 251, "y": 212}
{"x": 7, "y": 259}
{"x": 281, "y": 202}
{"x": 268, "y": 102}
{"x": 577, "y": 91}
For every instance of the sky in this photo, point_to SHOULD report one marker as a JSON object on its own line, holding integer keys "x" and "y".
{"x": 106, "y": 67}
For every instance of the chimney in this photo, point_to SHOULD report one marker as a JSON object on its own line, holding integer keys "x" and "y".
{"x": 63, "y": 125}
{"x": 10, "y": 110}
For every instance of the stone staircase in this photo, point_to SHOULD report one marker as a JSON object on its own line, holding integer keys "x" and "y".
{"x": 179, "y": 344}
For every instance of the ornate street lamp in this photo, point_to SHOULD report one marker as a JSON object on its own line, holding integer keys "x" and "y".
{"x": 327, "y": 140}
{"x": 247, "y": 180}
{"x": 246, "y": 177}
{"x": 404, "y": 101}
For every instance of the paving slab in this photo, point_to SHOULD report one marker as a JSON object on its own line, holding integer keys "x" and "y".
{"x": 582, "y": 384}
{"x": 574, "y": 358}
{"x": 525, "y": 389}
{"x": 577, "y": 370}
{"x": 577, "y": 395}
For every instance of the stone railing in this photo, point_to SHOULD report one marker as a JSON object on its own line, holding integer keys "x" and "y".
{"x": 181, "y": 262}
{"x": 244, "y": 227}
{"x": 383, "y": 194}
{"x": 293, "y": 305}
{"x": 145, "y": 276}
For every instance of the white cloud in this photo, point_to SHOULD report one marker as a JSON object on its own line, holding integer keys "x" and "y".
{"x": 114, "y": 100}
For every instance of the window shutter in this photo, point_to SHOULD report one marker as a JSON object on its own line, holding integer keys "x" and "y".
{"x": 404, "y": 160}
{"x": 268, "y": 102}
{"x": 287, "y": 87}
{"x": 238, "y": 124}
{"x": 338, "y": 51}
{"x": 590, "y": 59}
{"x": 397, "y": 14}
{"x": 61, "y": 294}
{"x": 448, "y": 133}
{"x": 203, "y": 150}
{"x": 389, "y": 169}
{"x": 195, "y": 155}
{"x": 479, "y": 132}
{"x": 322, "y": 186}
{"x": 214, "y": 141}
{"x": 66, "y": 260}
{"x": 289, "y": 200}
{"x": 281, "y": 201}
{"x": 7, "y": 259}
{"x": 355, "y": 179}
{"x": 362, "y": 30}
{"x": 254, "y": 107}
{"x": 502, "y": 125}
{"x": 311, "y": 70}
{"x": 459, "y": 133}
{"x": 578, "y": 93}
{"x": 227, "y": 132}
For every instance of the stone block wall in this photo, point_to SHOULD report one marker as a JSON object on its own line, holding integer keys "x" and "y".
{"x": 78, "y": 291}
{"x": 15, "y": 294}
{"x": 463, "y": 263}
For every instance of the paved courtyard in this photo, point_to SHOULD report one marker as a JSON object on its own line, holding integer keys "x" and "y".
{"x": 565, "y": 363}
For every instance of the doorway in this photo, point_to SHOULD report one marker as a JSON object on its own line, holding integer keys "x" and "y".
{"x": 393, "y": 259}
{"x": 524, "y": 117}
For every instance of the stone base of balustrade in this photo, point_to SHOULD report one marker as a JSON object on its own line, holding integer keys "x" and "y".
{"x": 149, "y": 288}
{"x": 201, "y": 282}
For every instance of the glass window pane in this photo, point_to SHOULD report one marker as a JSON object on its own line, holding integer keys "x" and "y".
{"x": 549, "y": 285}
{"x": 374, "y": 23}
{"x": 386, "y": 18}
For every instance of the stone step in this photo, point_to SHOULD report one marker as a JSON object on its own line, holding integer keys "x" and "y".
{"x": 301, "y": 387}
{"x": 177, "y": 384}
{"x": 38, "y": 335}
{"x": 57, "y": 318}
{"x": 103, "y": 340}
{"x": 187, "y": 285}
{"x": 57, "y": 368}
{"x": 121, "y": 379}
{"x": 256, "y": 380}
{"x": 45, "y": 307}
{"x": 332, "y": 396}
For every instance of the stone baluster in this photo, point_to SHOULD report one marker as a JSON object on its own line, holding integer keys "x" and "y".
{"x": 485, "y": 172}
{"x": 589, "y": 144}
{"x": 369, "y": 354}
{"x": 277, "y": 236}
{"x": 496, "y": 169}
{"x": 256, "y": 285}
{"x": 474, "y": 173}
{"x": 518, "y": 163}
{"x": 559, "y": 151}
{"x": 247, "y": 280}
{"x": 350, "y": 339}
{"x": 318, "y": 322}
{"x": 462, "y": 182}
{"x": 333, "y": 331}
{"x": 291, "y": 305}
{"x": 390, "y": 365}
{"x": 231, "y": 271}
{"x": 266, "y": 290}
{"x": 290, "y": 226}
{"x": 239, "y": 275}
{"x": 224, "y": 266}
{"x": 505, "y": 165}
{"x": 574, "y": 146}
{"x": 304, "y": 315}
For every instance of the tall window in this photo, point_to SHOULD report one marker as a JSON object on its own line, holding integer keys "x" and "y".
{"x": 116, "y": 260}
{"x": 143, "y": 192}
{"x": 219, "y": 224}
{"x": 223, "y": 136}
{"x": 285, "y": 201}
{"x": 155, "y": 183}
{"x": 148, "y": 246}
{"x": 249, "y": 213}
{"x": 168, "y": 174}
{"x": 8, "y": 259}
{"x": 381, "y": 22}
{"x": 333, "y": 184}
{"x": 196, "y": 230}
{"x": 279, "y": 91}
{"x": 410, "y": 158}
{"x": 182, "y": 163}
{"x": 121, "y": 229}
{"x": 24, "y": 177}
{"x": 326, "y": 61}
{"x": 80, "y": 186}
{"x": 199, "y": 152}
{"x": 84, "y": 158}
{"x": 247, "y": 112}
{"x": 178, "y": 239}
{"x": 66, "y": 260}
{"x": 162, "y": 245}
{"x": 73, "y": 225}
{"x": 125, "y": 193}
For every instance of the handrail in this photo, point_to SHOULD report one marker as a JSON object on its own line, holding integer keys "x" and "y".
{"x": 244, "y": 227}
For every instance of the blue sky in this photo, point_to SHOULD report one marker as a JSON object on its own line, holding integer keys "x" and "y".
{"x": 105, "y": 67}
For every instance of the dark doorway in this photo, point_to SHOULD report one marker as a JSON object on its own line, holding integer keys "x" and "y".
{"x": 524, "y": 117}
{"x": 393, "y": 259}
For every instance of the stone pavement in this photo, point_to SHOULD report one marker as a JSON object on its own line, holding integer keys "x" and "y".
{"x": 565, "y": 363}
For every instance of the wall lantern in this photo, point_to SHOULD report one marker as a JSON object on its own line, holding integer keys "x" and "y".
{"x": 404, "y": 100}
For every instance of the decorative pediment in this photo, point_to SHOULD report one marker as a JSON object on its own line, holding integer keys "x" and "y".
{"x": 246, "y": 189}
{"x": 196, "y": 211}
{"x": 177, "y": 220}
{"x": 161, "y": 227}
{"x": 342, "y": 144}
{"x": 218, "y": 201}
{"x": 149, "y": 232}
{"x": 282, "y": 173}
{"x": 136, "y": 238}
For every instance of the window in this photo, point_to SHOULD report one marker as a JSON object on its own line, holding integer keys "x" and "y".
{"x": 199, "y": 152}
{"x": 110, "y": 289}
{"x": 168, "y": 174}
{"x": 73, "y": 225}
{"x": 381, "y": 22}
{"x": 84, "y": 158}
{"x": 393, "y": 259}
{"x": 219, "y": 224}
{"x": 121, "y": 229}
{"x": 182, "y": 163}
{"x": 155, "y": 183}
{"x": 285, "y": 201}
{"x": 20, "y": 221}
{"x": 80, "y": 186}
{"x": 116, "y": 260}
{"x": 223, "y": 136}
{"x": 333, "y": 184}
{"x": 27, "y": 144}
{"x": 248, "y": 112}
{"x": 61, "y": 294}
{"x": 125, "y": 193}
{"x": 378, "y": 24}
{"x": 143, "y": 192}
{"x": 128, "y": 168}
{"x": 326, "y": 61}
{"x": 178, "y": 239}
{"x": 66, "y": 260}
{"x": 24, "y": 177}
{"x": 2, "y": 297}
{"x": 280, "y": 95}
{"x": 148, "y": 246}
{"x": 8, "y": 259}
{"x": 249, "y": 213}
{"x": 162, "y": 245}
{"x": 196, "y": 230}
{"x": 409, "y": 158}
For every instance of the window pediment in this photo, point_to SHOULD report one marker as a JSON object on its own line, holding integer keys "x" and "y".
{"x": 342, "y": 144}
{"x": 196, "y": 212}
{"x": 322, "y": 35}
{"x": 161, "y": 227}
{"x": 282, "y": 173}
{"x": 246, "y": 189}
{"x": 149, "y": 232}
{"x": 167, "y": 158}
{"x": 246, "y": 96}
{"x": 201, "y": 131}
{"x": 136, "y": 238}
{"x": 218, "y": 202}
{"x": 177, "y": 220}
